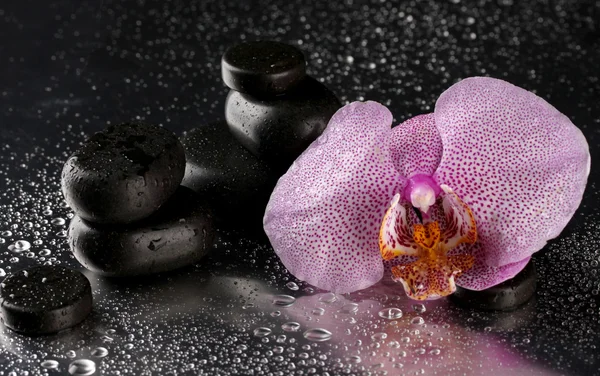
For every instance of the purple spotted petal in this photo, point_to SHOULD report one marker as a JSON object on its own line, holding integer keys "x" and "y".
{"x": 416, "y": 146}
{"x": 324, "y": 215}
{"x": 482, "y": 276}
{"x": 519, "y": 164}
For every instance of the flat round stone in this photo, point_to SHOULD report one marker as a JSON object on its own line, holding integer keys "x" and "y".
{"x": 235, "y": 183}
{"x": 180, "y": 233}
{"x": 124, "y": 173}
{"x": 506, "y": 296}
{"x": 278, "y": 130}
{"x": 44, "y": 299}
{"x": 263, "y": 68}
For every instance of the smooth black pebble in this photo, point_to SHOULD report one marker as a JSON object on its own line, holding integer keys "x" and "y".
{"x": 180, "y": 233}
{"x": 45, "y": 299}
{"x": 278, "y": 130}
{"x": 124, "y": 173}
{"x": 506, "y": 296}
{"x": 235, "y": 183}
{"x": 263, "y": 68}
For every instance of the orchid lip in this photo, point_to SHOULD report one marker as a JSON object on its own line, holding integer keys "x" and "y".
{"x": 432, "y": 274}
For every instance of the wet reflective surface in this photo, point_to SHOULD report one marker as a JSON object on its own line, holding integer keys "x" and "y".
{"x": 69, "y": 69}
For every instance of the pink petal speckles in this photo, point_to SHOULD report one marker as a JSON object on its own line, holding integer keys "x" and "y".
{"x": 324, "y": 215}
{"x": 416, "y": 146}
{"x": 518, "y": 163}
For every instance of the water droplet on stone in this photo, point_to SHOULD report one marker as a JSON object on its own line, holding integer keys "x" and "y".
{"x": 100, "y": 352}
{"x": 390, "y": 313}
{"x": 82, "y": 367}
{"x": 262, "y": 332}
{"x": 49, "y": 364}
{"x": 283, "y": 300}
{"x": 291, "y": 326}
{"x": 317, "y": 335}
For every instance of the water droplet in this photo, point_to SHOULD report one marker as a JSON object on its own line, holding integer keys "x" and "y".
{"x": 420, "y": 351}
{"x": 6, "y": 233}
{"x": 394, "y": 344}
{"x": 58, "y": 221}
{"x": 317, "y": 335}
{"x": 419, "y": 308}
{"x": 379, "y": 336}
{"x": 22, "y": 245}
{"x": 328, "y": 298}
{"x": 275, "y": 313}
{"x": 291, "y": 326}
{"x": 100, "y": 352}
{"x": 49, "y": 364}
{"x": 435, "y": 352}
{"x": 390, "y": 313}
{"x": 262, "y": 332}
{"x": 417, "y": 320}
{"x": 2, "y": 273}
{"x": 349, "y": 308}
{"x": 353, "y": 359}
{"x": 283, "y": 300}
{"x": 82, "y": 367}
{"x": 45, "y": 252}
{"x": 292, "y": 286}
{"x": 487, "y": 329}
{"x": 71, "y": 354}
{"x": 318, "y": 311}
{"x": 248, "y": 305}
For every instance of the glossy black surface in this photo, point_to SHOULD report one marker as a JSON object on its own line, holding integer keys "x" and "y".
{"x": 235, "y": 183}
{"x": 179, "y": 234}
{"x": 507, "y": 296}
{"x": 263, "y": 68}
{"x": 44, "y": 299}
{"x": 68, "y": 67}
{"x": 124, "y": 173}
{"x": 278, "y": 130}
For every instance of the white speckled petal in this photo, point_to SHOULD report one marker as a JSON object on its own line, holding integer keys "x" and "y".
{"x": 518, "y": 163}
{"x": 416, "y": 146}
{"x": 324, "y": 215}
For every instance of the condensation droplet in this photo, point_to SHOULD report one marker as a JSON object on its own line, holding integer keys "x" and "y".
{"x": 262, "y": 332}
{"x": 417, "y": 320}
{"x": 318, "y": 311}
{"x": 100, "y": 352}
{"x": 49, "y": 364}
{"x": 328, "y": 297}
{"x": 349, "y": 308}
{"x": 283, "y": 300}
{"x": 292, "y": 286}
{"x": 22, "y": 245}
{"x": 390, "y": 313}
{"x": 58, "y": 221}
{"x": 317, "y": 335}
{"x": 82, "y": 367}
{"x": 291, "y": 326}
{"x": 419, "y": 308}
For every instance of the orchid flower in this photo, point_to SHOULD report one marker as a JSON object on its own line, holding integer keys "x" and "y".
{"x": 462, "y": 196}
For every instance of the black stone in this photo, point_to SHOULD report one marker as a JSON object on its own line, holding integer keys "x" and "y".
{"x": 235, "y": 183}
{"x": 506, "y": 296}
{"x": 180, "y": 233}
{"x": 45, "y": 299}
{"x": 124, "y": 173}
{"x": 278, "y": 130}
{"x": 263, "y": 68}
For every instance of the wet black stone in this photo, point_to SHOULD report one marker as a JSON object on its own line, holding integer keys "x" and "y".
{"x": 124, "y": 173}
{"x": 180, "y": 233}
{"x": 278, "y": 130}
{"x": 44, "y": 299}
{"x": 506, "y": 296}
{"x": 232, "y": 180}
{"x": 263, "y": 68}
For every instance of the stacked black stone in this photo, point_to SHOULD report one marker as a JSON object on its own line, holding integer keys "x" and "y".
{"x": 272, "y": 114}
{"x": 132, "y": 215}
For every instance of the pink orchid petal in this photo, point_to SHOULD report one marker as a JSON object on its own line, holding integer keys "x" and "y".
{"x": 518, "y": 163}
{"x": 324, "y": 215}
{"x": 416, "y": 146}
{"x": 482, "y": 276}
